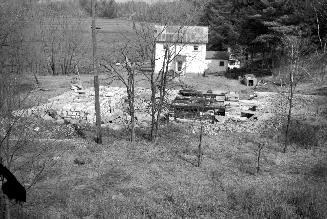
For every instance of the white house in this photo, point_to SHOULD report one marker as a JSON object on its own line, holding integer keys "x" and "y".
{"x": 186, "y": 46}
{"x": 216, "y": 61}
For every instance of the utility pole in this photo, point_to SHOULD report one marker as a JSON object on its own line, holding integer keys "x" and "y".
{"x": 98, "y": 138}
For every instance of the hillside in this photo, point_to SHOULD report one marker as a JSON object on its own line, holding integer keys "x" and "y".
{"x": 120, "y": 179}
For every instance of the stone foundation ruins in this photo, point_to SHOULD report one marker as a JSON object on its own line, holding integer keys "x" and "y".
{"x": 244, "y": 111}
{"x": 79, "y": 106}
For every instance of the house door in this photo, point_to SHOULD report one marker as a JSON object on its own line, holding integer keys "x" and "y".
{"x": 179, "y": 66}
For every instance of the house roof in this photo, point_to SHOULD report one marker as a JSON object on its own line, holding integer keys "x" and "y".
{"x": 182, "y": 34}
{"x": 221, "y": 55}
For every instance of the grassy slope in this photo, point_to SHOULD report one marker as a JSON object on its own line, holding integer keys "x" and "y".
{"x": 131, "y": 180}
{"x": 124, "y": 180}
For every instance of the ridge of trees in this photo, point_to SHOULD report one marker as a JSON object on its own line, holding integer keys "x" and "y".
{"x": 257, "y": 26}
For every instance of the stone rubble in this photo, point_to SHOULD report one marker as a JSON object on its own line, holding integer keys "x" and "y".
{"x": 73, "y": 106}
{"x": 80, "y": 107}
{"x": 264, "y": 116}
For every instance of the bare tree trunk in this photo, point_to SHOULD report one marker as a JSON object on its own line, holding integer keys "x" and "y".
{"x": 153, "y": 109}
{"x": 289, "y": 115}
{"x": 132, "y": 124}
{"x": 161, "y": 92}
{"x": 96, "y": 80}
{"x": 97, "y": 110}
{"x": 52, "y": 64}
{"x": 260, "y": 146}
{"x": 37, "y": 82}
{"x": 290, "y": 97}
{"x": 200, "y": 145}
{"x": 318, "y": 27}
{"x": 131, "y": 98}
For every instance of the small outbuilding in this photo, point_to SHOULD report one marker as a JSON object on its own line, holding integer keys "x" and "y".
{"x": 249, "y": 80}
{"x": 216, "y": 61}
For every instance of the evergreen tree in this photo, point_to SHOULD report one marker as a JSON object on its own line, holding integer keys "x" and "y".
{"x": 222, "y": 25}
{"x": 258, "y": 26}
{"x": 104, "y": 8}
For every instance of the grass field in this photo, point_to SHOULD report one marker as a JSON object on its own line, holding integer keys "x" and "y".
{"x": 112, "y": 33}
{"x": 123, "y": 180}
{"x": 119, "y": 179}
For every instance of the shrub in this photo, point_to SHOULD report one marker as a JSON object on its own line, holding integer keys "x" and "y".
{"x": 236, "y": 72}
{"x": 302, "y": 134}
{"x": 308, "y": 201}
{"x": 245, "y": 165}
{"x": 299, "y": 200}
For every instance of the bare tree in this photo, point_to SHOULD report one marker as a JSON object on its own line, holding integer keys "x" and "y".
{"x": 21, "y": 150}
{"x": 321, "y": 52}
{"x": 159, "y": 79}
{"x": 200, "y": 146}
{"x": 143, "y": 50}
{"x": 125, "y": 72}
{"x": 260, "y": 147}
{"x": 294, "y": 74}
{"x": 135, "y": 54}
{"x": 174, "y": 45}
{"x": 15, "y": 132}
{"x": 60, "y": 34}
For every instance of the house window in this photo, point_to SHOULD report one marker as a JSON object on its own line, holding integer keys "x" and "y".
{"x": 196, "y": 48}
{"x": 221, "y": 63}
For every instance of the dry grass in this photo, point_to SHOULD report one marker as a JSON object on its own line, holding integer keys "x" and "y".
{"x": 216, "y": 83}
{"x": 124, "y": 180}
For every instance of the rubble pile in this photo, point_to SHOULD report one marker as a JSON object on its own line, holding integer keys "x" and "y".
{"x": 269, "y": 115}
{"x": 79, "y": 106}
{"x": 242, "y": 112}
{"x": 262, "y": 115}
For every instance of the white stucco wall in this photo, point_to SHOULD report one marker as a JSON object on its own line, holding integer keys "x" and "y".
{"x": 195, "y": 59}
{"x": 213, "y": 65}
